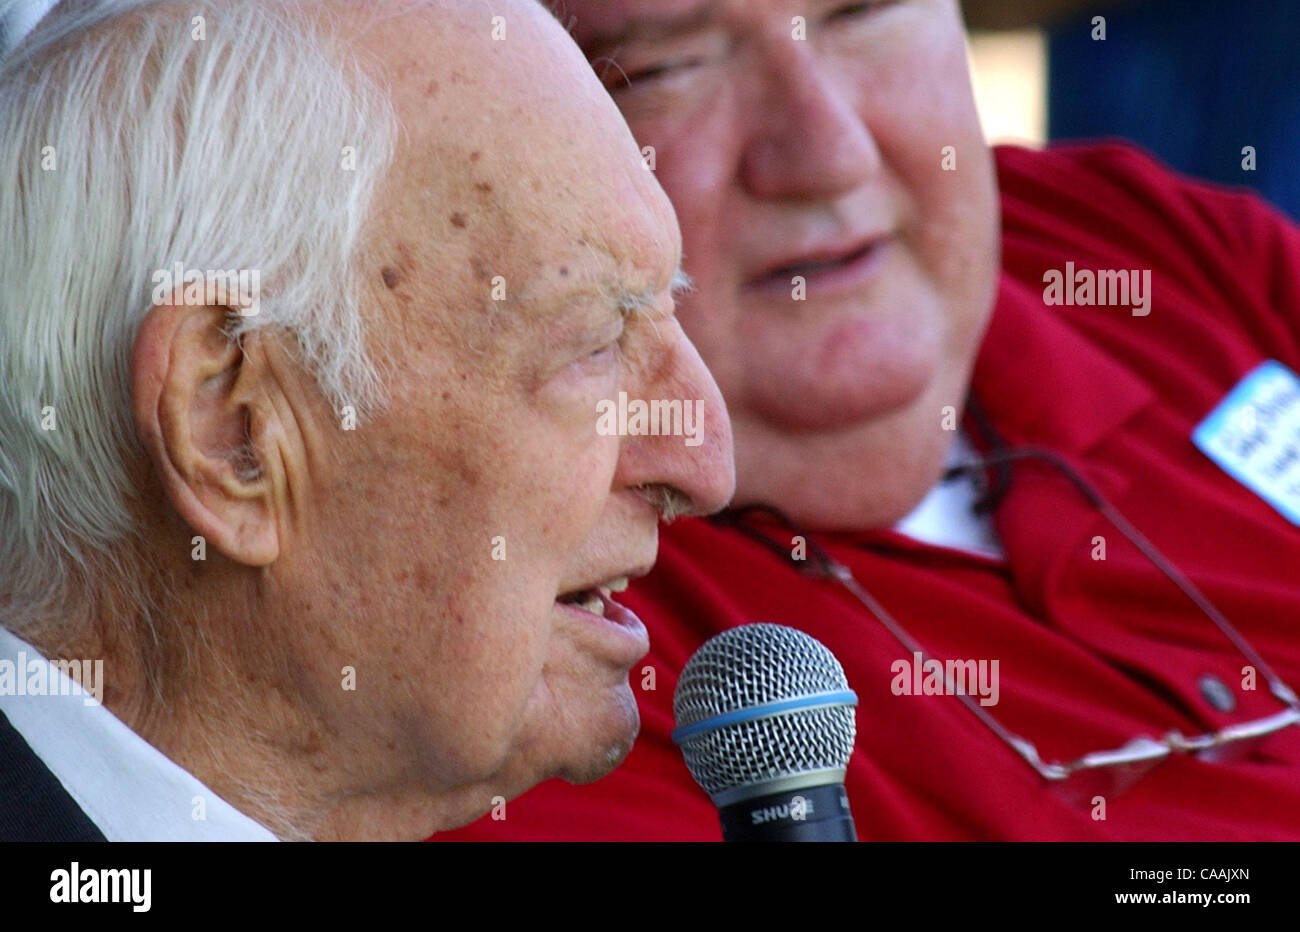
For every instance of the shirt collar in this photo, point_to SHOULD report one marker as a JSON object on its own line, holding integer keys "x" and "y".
{"x": 1029, "y": 369}
{"x": 125, "y": 785}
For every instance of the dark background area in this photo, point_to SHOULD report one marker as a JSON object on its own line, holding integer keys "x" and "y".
{"x": 1193, "y": 81}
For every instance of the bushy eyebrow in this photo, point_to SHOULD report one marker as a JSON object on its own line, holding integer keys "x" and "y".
{"x": 630, "y": 302}
{"x": 681, "y": 283}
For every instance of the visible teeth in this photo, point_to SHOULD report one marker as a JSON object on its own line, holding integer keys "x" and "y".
{"x": 593, "y": 603}
{"x": 616, "y": 585}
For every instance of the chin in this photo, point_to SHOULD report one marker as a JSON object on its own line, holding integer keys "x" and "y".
{"x": 611, "y": 741}
{"x": 879, "y": 471}
{"x": 863, "y": 370}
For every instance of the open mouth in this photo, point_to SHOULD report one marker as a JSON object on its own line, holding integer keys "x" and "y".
{"x": 607, "y": 628}
{"x": 595, "y": 599}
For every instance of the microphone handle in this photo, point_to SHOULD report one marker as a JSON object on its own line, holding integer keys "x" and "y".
{"x": 810, "y": 813}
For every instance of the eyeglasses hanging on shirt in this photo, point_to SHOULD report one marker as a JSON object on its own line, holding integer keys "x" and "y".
{"x": 1107, "y": 772}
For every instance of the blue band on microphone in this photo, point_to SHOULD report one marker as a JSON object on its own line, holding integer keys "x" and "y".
{"x": 812, "y": 701}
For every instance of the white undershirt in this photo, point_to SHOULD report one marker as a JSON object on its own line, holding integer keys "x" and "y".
{"x": 946, "y": 517}
{"x": 125, "y": 785}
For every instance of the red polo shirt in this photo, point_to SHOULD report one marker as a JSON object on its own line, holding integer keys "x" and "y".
{"x": 1092, "y": 653}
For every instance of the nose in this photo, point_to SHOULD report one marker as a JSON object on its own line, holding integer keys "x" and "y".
{"x": 698, "y": 460}
{"x": 806, "y": 139}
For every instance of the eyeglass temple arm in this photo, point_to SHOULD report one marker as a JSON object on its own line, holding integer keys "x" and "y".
{"x": 1023, "y": 747}
{"x": 1280, "y": 690}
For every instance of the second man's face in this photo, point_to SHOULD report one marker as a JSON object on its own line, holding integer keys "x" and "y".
{"x": 838, "y": 212}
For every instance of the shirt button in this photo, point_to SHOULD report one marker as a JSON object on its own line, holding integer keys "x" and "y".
{"x": 1217, "y": 694}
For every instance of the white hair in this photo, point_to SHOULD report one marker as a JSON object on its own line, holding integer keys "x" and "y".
{"x": 130, "y": 142}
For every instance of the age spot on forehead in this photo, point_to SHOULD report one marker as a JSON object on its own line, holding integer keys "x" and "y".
{"x": 396, "y": 271}
{"x": 458, "y": 220}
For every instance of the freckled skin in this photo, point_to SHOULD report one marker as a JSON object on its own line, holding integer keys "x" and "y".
{"x": 497, "y": 434}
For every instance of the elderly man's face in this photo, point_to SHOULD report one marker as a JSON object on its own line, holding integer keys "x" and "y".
{"x": 845, "y": 276}
{"x": 466, "y": 537}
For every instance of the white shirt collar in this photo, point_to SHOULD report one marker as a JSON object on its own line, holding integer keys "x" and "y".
{"x": 946, "y": 518}
{"x": 125, "y": 785}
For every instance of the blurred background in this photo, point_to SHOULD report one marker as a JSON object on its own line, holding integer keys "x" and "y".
{"x": 1193, "y": 81}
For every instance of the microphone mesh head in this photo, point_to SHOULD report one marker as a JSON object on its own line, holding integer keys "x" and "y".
{"x": 750, "y": 666}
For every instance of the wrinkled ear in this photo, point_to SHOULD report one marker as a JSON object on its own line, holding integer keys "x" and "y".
{"x": 200, "y": 404}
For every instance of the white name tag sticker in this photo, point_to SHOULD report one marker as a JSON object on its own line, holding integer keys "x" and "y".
{"x": 1254, "y": 434}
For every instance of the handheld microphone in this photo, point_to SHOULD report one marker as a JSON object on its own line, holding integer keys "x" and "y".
{"x": 765, "y": 720}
